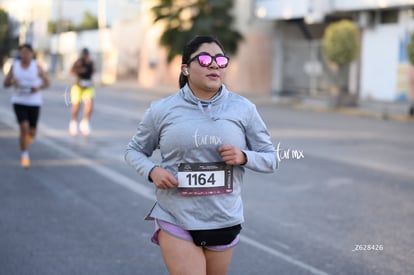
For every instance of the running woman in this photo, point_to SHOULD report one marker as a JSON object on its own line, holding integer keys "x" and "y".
{"x": 207, "y": 137}
{"x": 28, "y": 78}
{"x": 82, "y": 91}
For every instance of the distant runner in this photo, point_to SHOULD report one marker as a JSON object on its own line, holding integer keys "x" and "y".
{"x": 27, "y": 77}
{"x": 82, "y": 91}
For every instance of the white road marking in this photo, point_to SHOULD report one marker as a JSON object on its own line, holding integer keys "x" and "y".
{"x": 281, "y": 255}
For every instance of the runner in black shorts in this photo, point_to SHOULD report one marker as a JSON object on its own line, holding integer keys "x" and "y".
{"x": 27, "y": 78}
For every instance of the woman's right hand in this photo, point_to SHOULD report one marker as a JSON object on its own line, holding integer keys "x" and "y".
{"x": 163, "y": 179}
{"x": 15, "y": 83}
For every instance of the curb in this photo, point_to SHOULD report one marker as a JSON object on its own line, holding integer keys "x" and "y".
{"x": 323, "y": 107}
{"x": 354, "y": 112}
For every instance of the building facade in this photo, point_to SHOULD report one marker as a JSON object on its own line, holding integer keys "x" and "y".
{"x": 130, "y": 45}
{"x": 118, "y": 23}
{"x": 380, "y": 72}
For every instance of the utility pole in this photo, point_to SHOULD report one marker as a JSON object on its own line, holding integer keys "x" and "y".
{"x": 55, "y": 56}
{"x": 59, "y": 18}
{"x": 102, "y": 14}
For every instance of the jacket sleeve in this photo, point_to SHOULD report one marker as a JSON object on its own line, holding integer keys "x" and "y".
{"x": 142, "y": 145}
{"x": 261, "y": 154}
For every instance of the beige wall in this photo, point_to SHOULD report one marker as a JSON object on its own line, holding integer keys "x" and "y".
{"x": 126, "y": 40}
{"x": 250, "y": 70}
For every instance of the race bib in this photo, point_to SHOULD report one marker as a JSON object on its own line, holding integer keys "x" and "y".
{"x": 201, "y": 179}
{"x": 24, "y": 89}
{"x": 85, "y": 83}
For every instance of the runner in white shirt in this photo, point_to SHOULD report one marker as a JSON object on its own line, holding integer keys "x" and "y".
{"x": 27, "y": 78}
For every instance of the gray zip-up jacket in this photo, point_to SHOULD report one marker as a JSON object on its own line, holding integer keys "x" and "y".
{"x": 189, "y": 130}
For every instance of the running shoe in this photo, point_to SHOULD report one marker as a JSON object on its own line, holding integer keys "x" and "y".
{"x": 25, "y": 162}
{"x": 73, "y": 128}
{"x": 85, "y": 128}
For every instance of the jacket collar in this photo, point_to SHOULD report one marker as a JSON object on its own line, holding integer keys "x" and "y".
{"x": 189, "y": 96}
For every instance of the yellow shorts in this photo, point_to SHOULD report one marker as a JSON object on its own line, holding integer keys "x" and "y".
{"x": 78, "y": 94}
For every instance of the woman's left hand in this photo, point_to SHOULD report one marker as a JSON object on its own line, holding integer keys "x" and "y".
{"x": 232, "y": 155}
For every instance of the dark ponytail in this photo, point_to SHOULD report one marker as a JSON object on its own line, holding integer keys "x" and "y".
{"x": 182, "y": 80}
{"x": 192, "y": 46}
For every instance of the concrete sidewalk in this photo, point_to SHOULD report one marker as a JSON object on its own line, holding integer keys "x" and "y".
{"x": 365, "y": 108}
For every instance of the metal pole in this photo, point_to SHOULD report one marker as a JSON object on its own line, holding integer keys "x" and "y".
{"x": 102, "y": 14}
{"x": 55, "y": 62}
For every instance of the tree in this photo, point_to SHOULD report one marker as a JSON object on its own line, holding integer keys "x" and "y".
{"x": 89, "y": 22}
{"x": 5, "y": 39}
{"x": 410, "y": 55}
{"x": 341, "y": 42}
{"x": 410, "y": 49}
{"x": 185, "y": 19}
{"x": 60, "y": 26}
{"x": 52, "y": 27}
{"x": 341, "y": 47}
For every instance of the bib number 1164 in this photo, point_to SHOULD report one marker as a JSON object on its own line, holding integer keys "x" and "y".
{"x": 203, "y": 179}
{"x": 200, "y": 179}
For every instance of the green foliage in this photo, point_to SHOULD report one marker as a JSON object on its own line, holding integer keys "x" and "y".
{"x": 60, "y": 26}
{"x": 52, "y": 27}
{"x": 341, "y": 42}
{"x": 5, "y": 39}
{"x": 410, "y": 49}
{"x": 4, "y": 25}
{"x": 89, "y": 22}
{"x": 186, "y": 19}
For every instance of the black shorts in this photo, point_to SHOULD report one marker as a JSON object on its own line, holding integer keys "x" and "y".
{"x": 27, "y": 113}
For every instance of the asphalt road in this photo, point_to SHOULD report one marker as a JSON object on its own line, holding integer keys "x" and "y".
{"x": 341, "y": 201}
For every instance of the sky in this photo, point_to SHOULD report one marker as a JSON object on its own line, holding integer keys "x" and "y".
{"x": 74, "y": 9}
